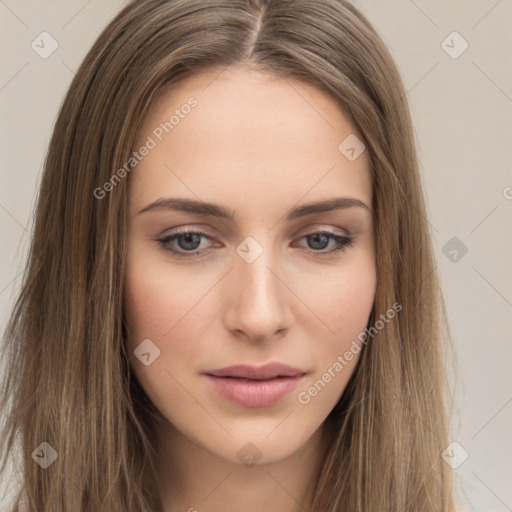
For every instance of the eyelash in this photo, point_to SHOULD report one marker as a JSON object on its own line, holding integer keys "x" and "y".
{"x": 342, "y": 243}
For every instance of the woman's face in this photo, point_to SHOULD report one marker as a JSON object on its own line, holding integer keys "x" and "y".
{"x": 258, "y": 278}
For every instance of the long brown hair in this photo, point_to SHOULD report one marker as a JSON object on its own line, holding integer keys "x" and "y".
{"x": 68, "y": 381}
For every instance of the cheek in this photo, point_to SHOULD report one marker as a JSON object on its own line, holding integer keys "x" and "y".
{"x": 342, "y": 299}
{"x": 156, "y": 297}
{"x": 336, "y": 354}
{"x": 342, "y": 306}
{"x": 164, "y": 305}
{"x": 354, "y": 300}
{"x": 156, "y": 318}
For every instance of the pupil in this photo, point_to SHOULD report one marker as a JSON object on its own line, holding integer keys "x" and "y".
{"x": 316, "y": 238}
{"x": 192, "y": 238}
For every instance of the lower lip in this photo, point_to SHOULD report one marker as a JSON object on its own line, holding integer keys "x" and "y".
{"x": 255, "y": 393}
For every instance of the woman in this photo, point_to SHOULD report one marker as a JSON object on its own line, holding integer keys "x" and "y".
{"x": 231, "y": 301}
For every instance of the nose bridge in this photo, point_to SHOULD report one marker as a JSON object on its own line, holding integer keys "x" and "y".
{"x": 259, "y": 302}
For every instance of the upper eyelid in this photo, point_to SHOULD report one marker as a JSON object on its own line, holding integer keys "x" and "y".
{"x": 317, "y": 227}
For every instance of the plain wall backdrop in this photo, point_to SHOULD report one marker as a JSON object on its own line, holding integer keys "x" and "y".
{"x": 455, "y": 59}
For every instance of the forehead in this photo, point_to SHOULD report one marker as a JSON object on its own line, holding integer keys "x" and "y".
{"x": 250, "y": 137}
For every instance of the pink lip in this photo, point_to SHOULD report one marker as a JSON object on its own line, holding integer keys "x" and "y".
{"x": 250, "y": 386}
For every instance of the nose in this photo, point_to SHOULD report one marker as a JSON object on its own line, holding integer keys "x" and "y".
{"x": 258, "y": 306}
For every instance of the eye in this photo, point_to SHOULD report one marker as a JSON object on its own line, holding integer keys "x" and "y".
{"x": 189, "y": 241}
{"x": 320, "y": 239}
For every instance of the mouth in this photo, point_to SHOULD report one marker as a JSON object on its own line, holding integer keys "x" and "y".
{"x": 254, "y": 387}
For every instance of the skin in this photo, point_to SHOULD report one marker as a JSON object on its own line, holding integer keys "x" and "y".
{"x": 257, "y": 145}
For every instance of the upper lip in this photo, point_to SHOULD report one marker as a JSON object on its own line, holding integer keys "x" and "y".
{"x": 267, "y": 371}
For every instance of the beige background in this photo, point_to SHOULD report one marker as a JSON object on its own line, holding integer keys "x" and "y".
{"x": 462, "y": 109}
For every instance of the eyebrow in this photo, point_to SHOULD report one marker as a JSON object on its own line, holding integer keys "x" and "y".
{"x": 215, "y": 210}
